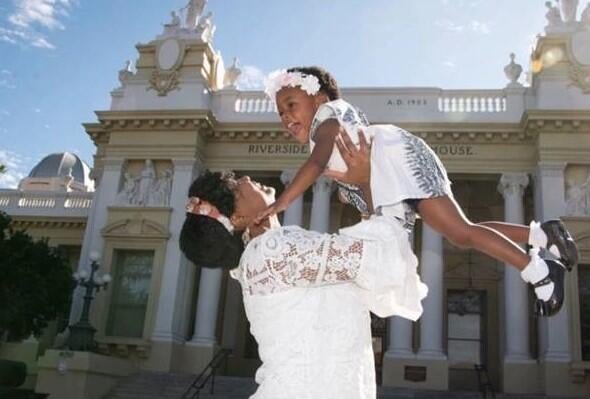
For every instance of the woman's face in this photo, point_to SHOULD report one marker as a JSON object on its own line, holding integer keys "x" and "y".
{"x": 251, "y": 198}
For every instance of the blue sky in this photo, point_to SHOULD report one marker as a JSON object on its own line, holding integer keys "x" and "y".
{"x": 59, "y": 58}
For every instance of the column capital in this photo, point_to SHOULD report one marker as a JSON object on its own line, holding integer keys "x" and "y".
{"x": 323, "y": 184}
{"x": 287, "y": 176}
{"x": 551, "y": 168}
{"x": 113, "y": 164}
{"x": 513, "y": 184}
{"x": 185, "y": 164}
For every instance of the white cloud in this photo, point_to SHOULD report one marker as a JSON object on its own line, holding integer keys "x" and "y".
{"x": 449, "y": 25}
{"x": 449, "y": 64}
{"x": 473, "y": 26}
{"x": 15, "y": 168}
{"x": 29, "y": 16}
{"x": 43, "y": 12}
{"x": 251, "y": 78}
{"x": 480, "y": 27}
{"x": 7, "y": 84}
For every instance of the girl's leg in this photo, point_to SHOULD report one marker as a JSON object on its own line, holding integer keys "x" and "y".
{"x": 445, "y": 216}
{"x": 517, "y": 233}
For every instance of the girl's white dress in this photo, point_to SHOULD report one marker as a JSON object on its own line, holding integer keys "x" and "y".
{"x": 403, "y": 167}
{"x": 308, "y": 295}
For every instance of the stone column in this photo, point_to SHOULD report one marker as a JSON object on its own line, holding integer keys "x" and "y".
{"x": 207, "y": 307}
{"x": 431, "y": 352}
{"x": 518, "y": 367}
{"x": 320, "y": 207}
{"x": 293, "y": 214}
{"x": 104, "y": 197}
{"x": 555, "y": 346}
{"x": 168, "y": 323}
{"x": 399, "y": 350}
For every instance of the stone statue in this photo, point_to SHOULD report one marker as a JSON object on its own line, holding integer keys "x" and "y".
{"x": 146, "y": 183}
{"x": 232, "y": 74}
{"x": 194, "y": 11}
{"x": 128, "y": 194}
{"x": 578, "y": 198}
{"x": 126, "y": 72}
{"x": 553, "y": 16}
{"x": 173, "y": 25}
{"x": 206, "y": 27}
{"x": 513, "y": 71}
{"x": 569, "y": 10}
{"x": 585, "y": 17}
{"x": 161, "y": 193}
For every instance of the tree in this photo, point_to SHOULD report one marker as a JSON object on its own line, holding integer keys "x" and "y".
{"x": 35, "y": 283}
{"x": 2, "y": 168}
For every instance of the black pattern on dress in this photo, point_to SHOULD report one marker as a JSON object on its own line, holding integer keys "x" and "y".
{"x": 426, "y": 169}
{"x": 352, "y": 195}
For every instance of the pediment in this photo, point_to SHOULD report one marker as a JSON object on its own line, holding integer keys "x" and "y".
{"x": 135, "y": 228}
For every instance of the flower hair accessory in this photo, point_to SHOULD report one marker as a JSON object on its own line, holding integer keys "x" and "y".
{"x": 197, "y": 206}
{"x": 276, "y": 80}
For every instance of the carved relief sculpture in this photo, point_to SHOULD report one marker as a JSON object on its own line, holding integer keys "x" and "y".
{"x": 568, "y": 10}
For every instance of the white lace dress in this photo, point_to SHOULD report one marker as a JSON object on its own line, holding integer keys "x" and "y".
{"x": 307, "y": 296}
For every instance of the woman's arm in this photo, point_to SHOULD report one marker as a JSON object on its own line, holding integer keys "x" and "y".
{"x": 358, "y": 163}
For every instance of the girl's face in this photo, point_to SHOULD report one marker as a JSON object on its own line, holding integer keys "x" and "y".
{"x": 297, "y": 109}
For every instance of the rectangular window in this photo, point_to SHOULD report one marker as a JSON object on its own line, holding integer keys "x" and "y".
{"x": 584, "y": 289}
{"x": 132, "y": 274}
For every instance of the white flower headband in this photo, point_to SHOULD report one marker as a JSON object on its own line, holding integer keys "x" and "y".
{"x": 276, "y": 80}
{"x": 198, "y": 206}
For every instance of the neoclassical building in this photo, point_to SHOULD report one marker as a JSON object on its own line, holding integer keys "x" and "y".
{"x": 516, "y": 154}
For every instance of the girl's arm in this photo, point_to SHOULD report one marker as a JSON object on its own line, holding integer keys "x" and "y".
{"x": 325, "y": 138}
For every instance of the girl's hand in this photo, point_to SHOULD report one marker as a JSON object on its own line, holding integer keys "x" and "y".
{"x": 273, "y": 209}
{"x": 358, "y": 161}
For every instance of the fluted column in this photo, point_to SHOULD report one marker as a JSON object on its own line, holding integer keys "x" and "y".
{"x": 104, "y": 197}
{"x": 320, "y": 207}
{"x": 294, "y": 213}
{"x": 549, "y": 204}
{"x": 170, "y": 303}
{"x": 516, "y": 323}
{"x": 207, "y": 306}
{"x": 399, "y": 334}
{"x": 431, "y": 322}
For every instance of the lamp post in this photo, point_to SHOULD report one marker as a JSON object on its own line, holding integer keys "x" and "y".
{"x": 81, "y": 336}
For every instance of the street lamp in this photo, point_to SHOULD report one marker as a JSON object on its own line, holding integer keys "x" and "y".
{"x": 82, "y": 333}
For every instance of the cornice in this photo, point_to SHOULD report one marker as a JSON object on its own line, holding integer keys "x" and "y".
{"x": 55, "y": 223}
{"x": 556, "y": 121}
{"x": 155, "y": 120}
{"x": 432, "y": 132}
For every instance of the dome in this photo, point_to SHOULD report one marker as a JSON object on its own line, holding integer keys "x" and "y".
{"x": 61, "y": 165}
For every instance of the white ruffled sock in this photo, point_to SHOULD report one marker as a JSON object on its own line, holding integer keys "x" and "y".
{"x": 535, "y": 271}
{"x": 537, "y": 237}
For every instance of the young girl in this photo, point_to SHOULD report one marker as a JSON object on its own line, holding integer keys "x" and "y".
{"x": 407, "y": 177}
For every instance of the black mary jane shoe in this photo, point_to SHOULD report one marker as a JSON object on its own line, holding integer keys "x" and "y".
{"x": 558, "y": 235}
{"x": 556, "y": 276}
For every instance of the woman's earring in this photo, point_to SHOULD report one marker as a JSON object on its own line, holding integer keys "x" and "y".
{"x": 246, "y": 236}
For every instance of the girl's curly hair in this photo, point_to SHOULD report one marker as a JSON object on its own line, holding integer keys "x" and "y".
{"x": 203, "y": 240}
{"x": 328, "y": 84}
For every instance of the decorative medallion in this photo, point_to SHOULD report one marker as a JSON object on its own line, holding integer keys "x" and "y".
{"x": 163, "y": 82}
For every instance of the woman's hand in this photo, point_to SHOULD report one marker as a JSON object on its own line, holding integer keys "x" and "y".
{"x": 272, "y": 209}
{"x": 358, "y": 161}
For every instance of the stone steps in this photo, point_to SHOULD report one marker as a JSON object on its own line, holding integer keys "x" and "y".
{"x": 151, "y": 385}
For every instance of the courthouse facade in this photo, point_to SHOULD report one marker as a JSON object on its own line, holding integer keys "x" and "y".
{"x": 516, "y": 153}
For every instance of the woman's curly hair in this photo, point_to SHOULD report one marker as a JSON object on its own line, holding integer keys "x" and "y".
{"x": 203, "y": 240}
{"x": 328, "y": 84}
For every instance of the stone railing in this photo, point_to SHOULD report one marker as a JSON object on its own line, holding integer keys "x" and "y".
{"x": 254, "y": 103}
{"x": 390, "y": 105}
{"x": 44, "y": 203}
{"x": 472, "y": 101}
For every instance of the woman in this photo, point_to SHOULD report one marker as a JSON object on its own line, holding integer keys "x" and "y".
{"x": 307, "y": 295}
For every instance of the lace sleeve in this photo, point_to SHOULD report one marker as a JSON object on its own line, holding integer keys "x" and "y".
{"x": 293, "y": 257}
